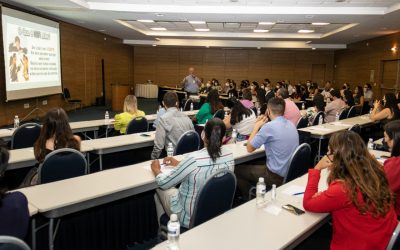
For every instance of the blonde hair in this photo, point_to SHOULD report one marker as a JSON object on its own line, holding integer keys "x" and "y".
{"x": 130, "y": 104}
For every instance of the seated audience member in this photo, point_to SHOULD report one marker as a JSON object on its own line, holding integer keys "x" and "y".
{"x": 398, "y": 99}
{"x": 368, "y": 94}
{"x": 327, "y": 90}
{"x": 55, "y": 134}
{"x": 232, "y": 89}
{"x": 241, "y": 118}
{"x": 171, "y": 125}
{"x": 207, "y": 88}
{"x": 191, "y": 173}
{"x": 259, "y": 93}
{"x": 319, "y": 105}
{"x": 292, "y": 112}
{"x": 392, "y": 165}
{"x": 359, "y": 96}
{"x": 207, "y": 110}
{"x": 314, "y": 89}
{"x": 161, "y": 110}
{"x": 269, "y": 92}
{"x": 358, "y": 195}
{"x": 227, "y": 86}
{"x": 247, "y": 99}
{"x": 14, "y": 213}
{"x": 387, "y": 111}
{"x": 280, "y": 139}
{"x": 131, "y": 111}
{"x": 348, "y": 98}
{"x": 334, "y": 107}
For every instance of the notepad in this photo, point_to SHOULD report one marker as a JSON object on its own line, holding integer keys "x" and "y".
{"x": 164, "y": 168}
{"x": 320, "y": 129}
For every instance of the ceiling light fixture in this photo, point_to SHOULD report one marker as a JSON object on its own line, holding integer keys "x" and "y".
{"x": 394, "y": 49}
{"x": 320, "y": 24}
{"x": 154, "y": 45}
{"x": 313, "y": 48}
{"x": 158, "y": 29}
{"x": 305, "y": 31}
{"x": 202, "y": 29}
{"x": 266, "y": 23}
{"x": 260, "y": 31}
{"x": 197, "y": 22}
{"x": 145, "y": 21}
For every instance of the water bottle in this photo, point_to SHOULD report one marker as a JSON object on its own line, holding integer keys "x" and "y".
{"x": 191, "y": 106}
{"x": 260, "y": 192}
{"x": 16, "y": 121}
{"x": 258, "y": 111}
{"x": 106, "y": 117}
{"x": 320, "y": 120}
{"x": 234, "y": 135}
{"x": 370, "y": 144}
{"x": 174, "y": 229}
{"x": 337, "y": 116}
{"x": 170, "y": 150}
{"x": 226, "y": 114}
{"x": 273, "y": 193}
{"x": 370, "y": 111}
{"x": 181, "y": 109}
{"x": 303, "y": 106}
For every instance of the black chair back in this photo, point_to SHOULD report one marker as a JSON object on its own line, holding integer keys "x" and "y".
{"x": 12, "y": 243}
{"x": 355, "y": 128}
{"x": 343, "y": 114}
{"x": 186, "y": 106}
{"x": 214, "y": 198}
{"x": 25, "y": 136}
{"x": 188, "y": 142}
{"x": 302, "y": 122}
{"x": 298, "y": 163}
{"x": 62, "y": 164}
{"x": 67, "y": 94}
{"x": 137, "y": 125}
{"x": 317, "y": 116}
{"x": 220, "y": 114}
{"x": 353, "y": 111}
{"x": 394, "y": 242}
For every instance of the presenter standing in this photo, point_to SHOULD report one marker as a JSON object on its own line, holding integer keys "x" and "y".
{"x": 191, "y": 83}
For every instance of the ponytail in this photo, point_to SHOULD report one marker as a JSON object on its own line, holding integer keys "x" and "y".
{"x": 214, "y": 132}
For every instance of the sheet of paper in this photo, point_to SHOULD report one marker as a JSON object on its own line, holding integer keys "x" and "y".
{"x": 273, "y": 209}
{"x": 164, "y": 168}
{"x": 320, "y": 128}
{"x": 339, "y": 124}
{"x": 294, "y": 189}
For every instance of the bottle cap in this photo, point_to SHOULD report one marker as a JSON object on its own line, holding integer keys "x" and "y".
{"x": 174, "y": 217}
{"x": 273, "y": 185}
{"x": 169, "y": 143}
{"x": 261, "y": 179}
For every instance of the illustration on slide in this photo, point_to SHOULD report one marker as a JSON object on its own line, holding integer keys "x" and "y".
{"x": 19, "y": 62}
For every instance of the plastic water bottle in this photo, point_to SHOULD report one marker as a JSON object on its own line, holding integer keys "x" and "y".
{"x": 234, "y": 135}
{"x": 320, "y": 120}
{"x": 303, "y": 106}
{"x": 370, "y": 111}
{"x": 191, "y": 106}
{"x": 16, "y": 121}
{"x": 181, "y": 109}
{"x": 273, "y": 193}
{"x": 174, "y": 229}
{"x": 370, "y": 144}
{"x": 260, "y": 192}
{"x": 170, "y": 150}
{"x": 337, "y": 116}
{"x": 258, "y": 111}
{"x": 106, "y": 117}
{"x": 226, "y": 114}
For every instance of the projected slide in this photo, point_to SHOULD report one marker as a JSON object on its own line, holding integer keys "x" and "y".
{"x": 31, "y": 54}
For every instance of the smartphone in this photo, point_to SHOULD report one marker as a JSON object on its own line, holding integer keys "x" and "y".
{"x": 293, "y": 209}
{"x": 145, "y": 135}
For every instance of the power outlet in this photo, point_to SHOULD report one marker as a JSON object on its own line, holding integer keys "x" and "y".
{"x": 26, "y": 105}
{"x": 44, "y": 102}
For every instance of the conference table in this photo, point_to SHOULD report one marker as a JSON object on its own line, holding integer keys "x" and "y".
{"x": 57, "y": 199}
{"x": 146, "y": 90}
{"x": 249, "y": 227}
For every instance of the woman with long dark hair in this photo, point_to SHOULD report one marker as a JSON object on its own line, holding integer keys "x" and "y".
{"x": 392, "y": 165}
{"x": 55, "y": 134}
{"x": 358, "y": 195}
{"x": 241, "y": 118}
{"x": 191, "y": 173}
{"x": 387, "y": 110}
{"x": 207, "y": 110}
{"x": 14, "y": 213}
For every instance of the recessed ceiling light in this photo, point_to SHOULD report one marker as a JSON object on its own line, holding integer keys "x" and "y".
{"x": 260, "y": 31}
{"x": 207, "y": 47}
{"x": 305, "y": 31}
{"x": 313, "y": 48}
{"x": 394, "y": 49}
{"x": 320, "y": 24}
{"x": 145, "y": 21}
{"x": 266, "y": 23}
{"x": 202, "y": 29}
{"x": 159, "y": 14}
{"x": 154, "y": 45}
{"x": 197, "y": 22}
{"x": 158, "y": 29}
{"x": 258, "y": 47}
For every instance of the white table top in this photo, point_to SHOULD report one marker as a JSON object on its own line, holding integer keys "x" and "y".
{"x": 333, "y": 127}
{"x": 56, "y": 195}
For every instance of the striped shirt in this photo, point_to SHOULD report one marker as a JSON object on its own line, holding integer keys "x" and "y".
{"x": 192, "y": 172}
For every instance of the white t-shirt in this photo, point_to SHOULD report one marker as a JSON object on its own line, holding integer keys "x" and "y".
{"x": 245, "y": 126}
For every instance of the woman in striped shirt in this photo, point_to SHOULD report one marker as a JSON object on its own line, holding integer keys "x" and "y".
{"x": 191, "y": 173}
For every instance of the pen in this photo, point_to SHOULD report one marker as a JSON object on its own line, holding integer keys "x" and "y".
{"x": 300, "y": 193}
